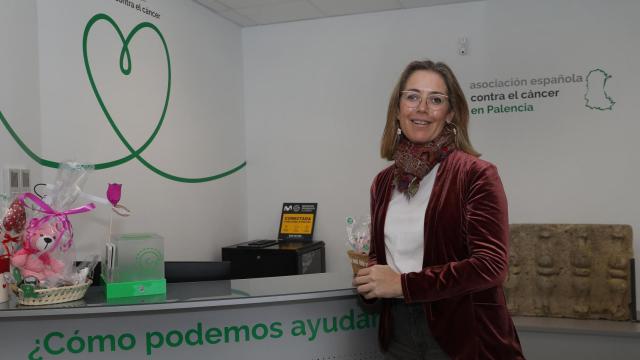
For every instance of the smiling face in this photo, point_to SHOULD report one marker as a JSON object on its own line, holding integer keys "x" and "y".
{"x": 423, "y": 122}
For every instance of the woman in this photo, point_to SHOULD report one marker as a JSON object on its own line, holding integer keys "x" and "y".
{"x": 439, "y": 230}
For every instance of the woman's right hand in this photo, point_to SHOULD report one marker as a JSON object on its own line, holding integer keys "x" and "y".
{"x": 378, "y": 281}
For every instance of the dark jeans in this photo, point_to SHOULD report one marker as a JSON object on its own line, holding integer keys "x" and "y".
{"x": 412, "y": 338}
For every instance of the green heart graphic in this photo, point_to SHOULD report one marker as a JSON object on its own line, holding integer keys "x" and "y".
{"x": 125, "y": 68}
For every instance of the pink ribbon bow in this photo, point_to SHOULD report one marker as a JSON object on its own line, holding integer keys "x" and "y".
{"x": 60, "y": 216}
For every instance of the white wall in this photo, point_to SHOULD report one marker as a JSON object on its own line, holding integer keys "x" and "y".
{"x": 19, "y": 96}
{"x": 564, "y": 162}
{"x": 316, "y": 94}
{"x": 202, "y": 134}
{"x": 316, "y": 97}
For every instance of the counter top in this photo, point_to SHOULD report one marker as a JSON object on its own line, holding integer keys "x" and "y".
{"x": 577, "y": 326}
{"x": 310, "y": 287}
{"x": 198, "y": 295}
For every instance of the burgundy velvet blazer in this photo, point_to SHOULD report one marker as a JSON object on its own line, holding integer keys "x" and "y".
{"x": 466, "y": 234}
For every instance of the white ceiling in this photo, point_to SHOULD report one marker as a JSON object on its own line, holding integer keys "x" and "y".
{"x": 262, "y": 12}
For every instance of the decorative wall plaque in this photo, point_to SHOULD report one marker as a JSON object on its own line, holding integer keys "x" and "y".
{"x": 570, "y": 270}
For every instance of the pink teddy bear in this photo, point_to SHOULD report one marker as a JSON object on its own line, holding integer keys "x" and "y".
{"x": 33, "y": 259}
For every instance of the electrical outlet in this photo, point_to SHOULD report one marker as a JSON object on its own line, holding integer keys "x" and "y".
{"x": 25, "y": 180}
{"x": 15, "y": 181}
{"x": 463, "y": 46}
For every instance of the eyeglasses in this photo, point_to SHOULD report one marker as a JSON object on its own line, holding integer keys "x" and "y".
{"x": 412, "y": 99}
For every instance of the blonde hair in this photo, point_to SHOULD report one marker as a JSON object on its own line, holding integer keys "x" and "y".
{"x": 457, "y": 103}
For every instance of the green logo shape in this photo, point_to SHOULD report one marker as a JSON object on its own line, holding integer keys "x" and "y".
{"x": 596, "y": 96}
{"x": 125, "y": 68}
{"x": 149, "y": 260}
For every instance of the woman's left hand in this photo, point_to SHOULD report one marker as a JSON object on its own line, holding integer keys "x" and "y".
{"x": 378, "y": 281}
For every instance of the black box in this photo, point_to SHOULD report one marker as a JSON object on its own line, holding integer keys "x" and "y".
{"x": 253, "y": 259}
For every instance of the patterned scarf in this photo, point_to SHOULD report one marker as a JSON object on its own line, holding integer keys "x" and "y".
{"x": 414, "y": 161}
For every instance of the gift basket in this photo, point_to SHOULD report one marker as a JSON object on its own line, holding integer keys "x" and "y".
{"x": 358, "y": 241}
{"x": 46, "y": 296}
{"x": 43, "y": 265}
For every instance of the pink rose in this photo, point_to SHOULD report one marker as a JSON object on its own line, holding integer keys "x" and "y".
{"x": 113, "y": 193}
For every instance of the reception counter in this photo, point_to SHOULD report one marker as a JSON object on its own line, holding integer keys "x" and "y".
{"x": 314, "y": 316}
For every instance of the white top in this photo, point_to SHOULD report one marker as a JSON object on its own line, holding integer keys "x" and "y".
{"x": 404, "y": 226}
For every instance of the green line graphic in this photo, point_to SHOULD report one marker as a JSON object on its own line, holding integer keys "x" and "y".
{"x": 596, "y": 97}
{"x": 125, "y": 68}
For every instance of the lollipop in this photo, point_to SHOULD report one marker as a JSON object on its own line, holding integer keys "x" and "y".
{"x": 15, "y": 217}
{"x": 13, "y": 222}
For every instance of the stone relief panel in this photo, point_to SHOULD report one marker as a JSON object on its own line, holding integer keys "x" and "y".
{"x": 570, "y": 270}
